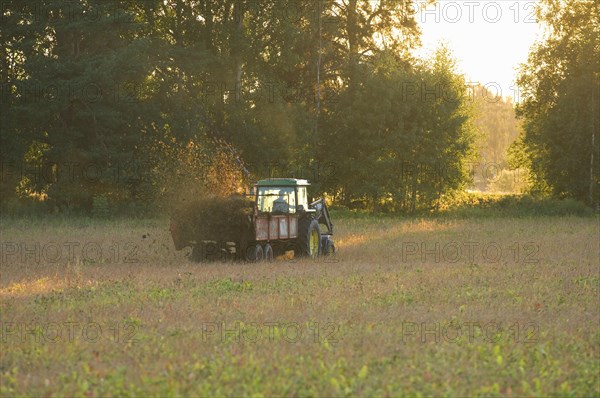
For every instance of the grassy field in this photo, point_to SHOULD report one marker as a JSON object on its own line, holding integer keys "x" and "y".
{"x": 419, "y": 307}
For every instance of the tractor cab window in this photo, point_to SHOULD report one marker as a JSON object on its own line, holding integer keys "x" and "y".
{"x": 276, "y": 199}
{"x": 302, "y": 198}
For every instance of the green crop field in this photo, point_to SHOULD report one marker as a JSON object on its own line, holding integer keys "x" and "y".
{"x": 455, "y": 145}
{"x": 420, "y": 307}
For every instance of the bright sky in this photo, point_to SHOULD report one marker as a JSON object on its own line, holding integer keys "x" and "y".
{"x": 489, "y": 38}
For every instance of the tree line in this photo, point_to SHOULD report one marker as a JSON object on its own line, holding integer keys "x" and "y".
{"x": 128, "y": 104}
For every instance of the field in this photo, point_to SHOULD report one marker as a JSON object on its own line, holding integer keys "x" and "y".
{"x": 436, "y": 306}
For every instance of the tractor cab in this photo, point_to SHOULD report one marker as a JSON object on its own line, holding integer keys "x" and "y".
{"x": 281, "y": 195}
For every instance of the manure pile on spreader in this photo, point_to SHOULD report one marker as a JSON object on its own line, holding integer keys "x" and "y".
{"x": 224, "y": 219}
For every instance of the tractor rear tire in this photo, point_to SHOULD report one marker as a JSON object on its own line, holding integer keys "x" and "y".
{"x": 309, "y": 238}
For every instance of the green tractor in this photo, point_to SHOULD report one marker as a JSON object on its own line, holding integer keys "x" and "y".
{"x": 278, "y": 219}
{"x": 284, "y": 221}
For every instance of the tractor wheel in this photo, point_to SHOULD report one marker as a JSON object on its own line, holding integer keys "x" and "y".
{"x": 197, "y": 252}
{"x": 268, "y": 253}
{"x": 309, "y": 238}
{"x": 256, "y": 253}
{"x": 329, "y": 248}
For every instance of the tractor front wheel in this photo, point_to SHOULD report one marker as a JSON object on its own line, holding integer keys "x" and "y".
{"x": 329, "y": 248}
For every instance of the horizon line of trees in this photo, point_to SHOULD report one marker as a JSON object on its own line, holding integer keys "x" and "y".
{"x": 137, "y": 105}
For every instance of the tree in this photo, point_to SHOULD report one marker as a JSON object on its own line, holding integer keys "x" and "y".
{"x": 497, "y": 127}
{"x": 404, "y": 138}
{"x": 81, "y": 64}
{"x": 560, "y": 105}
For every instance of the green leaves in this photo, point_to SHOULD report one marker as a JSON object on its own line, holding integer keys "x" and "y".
{"x": 302, "y": 83}
{"x": 561, "y": 101}
{"x": 403, "y": 137}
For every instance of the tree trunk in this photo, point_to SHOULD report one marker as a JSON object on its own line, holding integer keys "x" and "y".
{"x": 238, "y": 15}
{"x": 352, "y": 32}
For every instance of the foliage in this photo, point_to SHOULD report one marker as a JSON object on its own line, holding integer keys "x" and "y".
{"x": 466, "y": 205}
{"x": 561, "y": 102}
{"x": 472, "y": 204}
{"x": 497, "y": 128}
{"x": 94, "y": 93}
{"x": 496, "y": 123}
{"x": 397, "y": 145}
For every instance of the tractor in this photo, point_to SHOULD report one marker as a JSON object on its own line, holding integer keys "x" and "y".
{"x": 276, "y": 218}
